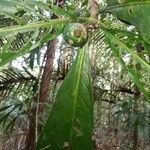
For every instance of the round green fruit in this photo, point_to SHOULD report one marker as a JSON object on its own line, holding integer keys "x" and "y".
{"x": 75, "y": 34}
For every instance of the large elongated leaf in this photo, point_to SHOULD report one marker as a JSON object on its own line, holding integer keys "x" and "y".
{"x": 26, "y": 28}
{"x": 7, "y": 56}
{"x": 132, "y": 72}
{"x": 6, "y": 51}
{"x": 16, "y": 8}
{"x": 31, "y": 27}
{"x": 134, "y": 12}
{"x": 142, "y": 61}
{"x": 24, "y": 11}
{"x": 70, "y": 123}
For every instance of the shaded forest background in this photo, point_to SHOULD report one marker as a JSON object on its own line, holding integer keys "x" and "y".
{"x": 29, "y": 83}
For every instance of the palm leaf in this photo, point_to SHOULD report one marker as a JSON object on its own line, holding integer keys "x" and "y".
{"x": 7, "y": 54}
{"x": 26, "y": 28}
{"x": 121, "y": 43}
{"x": 131, "y": 51}
{"x": 15, "y": 8}
{"x": 9, "y": 114}
{"x": 134, "y": 12}
{"x": 132, "y": 72}
{"x": 14, "y": 81}
{"x": 71, "y": 120}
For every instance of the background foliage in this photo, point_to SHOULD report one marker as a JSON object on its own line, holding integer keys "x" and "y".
{"x": 114, "y": 66}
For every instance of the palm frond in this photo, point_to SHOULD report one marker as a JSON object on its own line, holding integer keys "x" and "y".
{"x": 13, "y": 82}
{"x": 123, "y": 49}
{"x": 105, "y": 62}
{"x": 27, "y": 27}
{"x": 5, "y": 22}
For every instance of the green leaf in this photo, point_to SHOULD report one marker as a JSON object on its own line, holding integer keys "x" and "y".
{"x": 135, "y": 76}
{"x": 24, "y": 11}
{"x": 132, "y": 72}
{"x": 16, "y": 8}
{"x": 61, "y": 12}
{"x": 134, "y": 12}
{"x": 70, "y": 122}
{"x": 111, "y": 2}
{"x": 31, "y": 26}
{"x": 7, "y": 55}
{"x": 115, "y": 40}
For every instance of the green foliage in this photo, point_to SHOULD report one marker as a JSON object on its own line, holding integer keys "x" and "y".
{"x": 131, "y": 119}
{"x": 14, "y": 81}
{"x": 71, "y": 121}
{"x": 25, "y": 27}
{"x": 16, "y": 89}
{"x": 134, "y": 12}
{"x": 9, "y": 114}
{"x": 7, "y": 53}
{"x": 28, "y": 27}
{"x": 133, "y": 73}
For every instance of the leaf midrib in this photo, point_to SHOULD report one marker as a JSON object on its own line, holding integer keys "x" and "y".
{"x": 80, "y": 63}
{"x": 32, "y": 26}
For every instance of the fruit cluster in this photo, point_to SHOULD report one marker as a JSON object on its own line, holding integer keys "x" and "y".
{"x": 75, "y": 34}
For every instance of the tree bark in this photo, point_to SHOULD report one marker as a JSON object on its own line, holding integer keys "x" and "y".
{"x": 44, "y": 88}
{"x": 30, "y": 138}
{"x": 43, "y": 91}
{"x": 135, "y": 130}
{"x": 48, "y": 69}
{"x": 47, "y": 73}
{"x": 135, "y": 146}
{"x": 93, "y": 8}
{"x": 31, "y": 132}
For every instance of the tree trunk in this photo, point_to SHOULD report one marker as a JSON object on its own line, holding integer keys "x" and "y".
{"x": 47, "y": 73}
{"x": 34, "y": 128}
{"x": 44, "y": 85}
{"x": 31, "y": 132}
{"x": 30, "y": 138}
{"x": 135, "y": 146}
{"x": 135, "y": 130}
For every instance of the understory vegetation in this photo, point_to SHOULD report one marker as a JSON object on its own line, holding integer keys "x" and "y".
{"x": 74, "y": 75}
